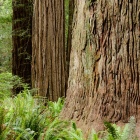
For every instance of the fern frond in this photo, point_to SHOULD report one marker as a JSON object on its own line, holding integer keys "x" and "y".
{"x": 111, "y": 130}
{"x": 129, "y": 130}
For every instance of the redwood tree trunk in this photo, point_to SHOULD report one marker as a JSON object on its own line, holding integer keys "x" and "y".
{"x": 69, "y": 39}
{"x": 104, "y": 78}
{"x": 21, "y": 38}
{"x": 48, "y": 55}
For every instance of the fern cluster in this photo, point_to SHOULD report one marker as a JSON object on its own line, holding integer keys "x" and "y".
{"x": 114, "y": 132}
{"x": 27, "y": 117}
{"x": 21, "y": 118}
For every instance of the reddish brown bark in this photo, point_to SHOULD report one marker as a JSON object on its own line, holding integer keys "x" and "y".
{"x": 104, "y": 79}
{"x": 48, "y": 62}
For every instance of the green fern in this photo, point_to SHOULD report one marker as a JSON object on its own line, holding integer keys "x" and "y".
{"x": 55, "y": 107}
{"x": 1, "y": 119}
{"x": 93, "y": 135}
{"x": 129, "y": 130}
{"x": 55, "y": 130}
{"x": 76, "y": 133}
{"x": 113, "y": 134}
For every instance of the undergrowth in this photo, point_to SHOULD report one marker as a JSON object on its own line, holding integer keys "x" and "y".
{"x": 26, "y": 117}
{"x": 5, "y": 35}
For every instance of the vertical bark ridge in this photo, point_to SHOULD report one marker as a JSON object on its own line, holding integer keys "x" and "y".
{"x": 104, "y": 81}
{"x": 48, "y": 65}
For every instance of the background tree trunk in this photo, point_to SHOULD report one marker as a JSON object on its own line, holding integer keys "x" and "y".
{"x": 21, "y": 38}
{"x": 48, "y": 55}
{"x": 69, "y": 38}
{"x": 104, "y": 78}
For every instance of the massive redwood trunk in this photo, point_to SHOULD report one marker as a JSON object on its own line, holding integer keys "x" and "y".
{"x": 104, "y": 78}
{"x": 48, "y": 55}
{"x": 21, "y": 38}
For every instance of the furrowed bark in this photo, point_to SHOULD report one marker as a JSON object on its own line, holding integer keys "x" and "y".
{"x": 104, "y": 78}
{"x": 48, "y": 62}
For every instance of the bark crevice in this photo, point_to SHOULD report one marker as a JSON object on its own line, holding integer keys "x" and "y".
{"x": 106, "y": 70}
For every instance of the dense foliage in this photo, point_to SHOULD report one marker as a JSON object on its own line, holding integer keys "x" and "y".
{"x": 5, "y": 34}
{"x": 27, "y": 117}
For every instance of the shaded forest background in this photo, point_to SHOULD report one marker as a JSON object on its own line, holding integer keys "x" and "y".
{"x": 5, "y": 36}
{"x": 6, "y": 33}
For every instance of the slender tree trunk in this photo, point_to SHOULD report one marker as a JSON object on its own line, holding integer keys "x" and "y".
{"x": 69, "y": 39}
{"x": 21, "y": 37}
{"x": 104, "y": 78}
{"x": 48, "y": 55}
